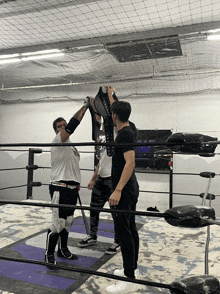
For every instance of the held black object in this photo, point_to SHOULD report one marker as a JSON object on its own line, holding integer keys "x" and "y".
{"x": 103, "y": 107}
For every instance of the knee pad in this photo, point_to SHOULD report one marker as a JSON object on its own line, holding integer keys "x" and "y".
{"x": 68, "y": 223}
{"x": 58, "y": 225}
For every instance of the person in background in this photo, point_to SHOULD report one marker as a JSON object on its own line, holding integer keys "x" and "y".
{"x": 101, "y": 187}
{"x": 65, "y": 183}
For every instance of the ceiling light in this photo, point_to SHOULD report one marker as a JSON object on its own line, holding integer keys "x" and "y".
{"x": 8, "y": 56}
{"x": 42, "y": 56}
{"x": 9, "y": 60}
{"x": 213, "y": 37}
{"x": 41, "y": 52}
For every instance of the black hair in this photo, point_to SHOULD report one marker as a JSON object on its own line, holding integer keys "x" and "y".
{"x": 122, "y": 109}
{"x": 134, "y": 129}
{"x": 56, "y": 121}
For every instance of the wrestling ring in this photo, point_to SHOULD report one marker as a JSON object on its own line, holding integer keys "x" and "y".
{"x": 178, "y": 247}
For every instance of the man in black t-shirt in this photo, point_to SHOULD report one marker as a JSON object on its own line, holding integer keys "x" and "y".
{"x": 125, "y": 195}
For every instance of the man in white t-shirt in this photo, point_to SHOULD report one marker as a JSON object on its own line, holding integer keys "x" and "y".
{"x": 65, "y": 183}
{"x": 101, "y": 187}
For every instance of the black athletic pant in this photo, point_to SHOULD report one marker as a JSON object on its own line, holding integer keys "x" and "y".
{"x": 101, "y": 192}
{"x": 126, "y": 230}
{"x": 67, "y": 196}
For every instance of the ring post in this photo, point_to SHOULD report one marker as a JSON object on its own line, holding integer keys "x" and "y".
{"x": 171, "y": 186}
{"x": 30, "y": 170}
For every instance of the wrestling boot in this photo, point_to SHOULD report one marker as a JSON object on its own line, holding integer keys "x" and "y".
{"x": 63, "y": 250}
{"x": 51, "y": 243}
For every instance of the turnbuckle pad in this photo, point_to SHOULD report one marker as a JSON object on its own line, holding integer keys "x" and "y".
{"x": 31, "y": 167}
{"x": 208, "y": 196}
{"x": 190, "y": 216}
{"x": 204, "y": 284}
{"x": 35, "y": 184}
{"x": 207, "y": 175}
{"x": 192, "y": 144}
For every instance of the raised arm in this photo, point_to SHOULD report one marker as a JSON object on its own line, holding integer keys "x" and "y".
{"x": 110, "y": 91}
{"x": 74, "y": 121}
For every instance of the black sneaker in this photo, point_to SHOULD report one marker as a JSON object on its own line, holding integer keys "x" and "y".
{"x": 89, "y": 240}
{"x": 65, "y": 253}
{"x": 113, "y": 249}
{"x": 50, "y": 259}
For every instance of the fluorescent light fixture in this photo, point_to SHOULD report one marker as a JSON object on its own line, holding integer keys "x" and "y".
{"x": 10, "y": 60}
{"x": 41, "y": 52}
{"x": 42, "y": 56}
{"x": 30, "y": 56}
{"x": 213, "y": 37}
{"x": 8, "y": 56}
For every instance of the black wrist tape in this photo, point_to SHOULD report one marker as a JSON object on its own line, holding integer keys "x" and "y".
{"x": 72, "y": 125}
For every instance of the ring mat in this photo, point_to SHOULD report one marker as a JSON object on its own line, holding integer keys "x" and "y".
{"x": 26, "y": 278}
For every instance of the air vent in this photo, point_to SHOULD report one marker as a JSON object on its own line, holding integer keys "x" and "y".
{"x": 145, "y": 49}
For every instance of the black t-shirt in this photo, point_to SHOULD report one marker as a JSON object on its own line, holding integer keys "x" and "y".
{"x": 125, "y": 135}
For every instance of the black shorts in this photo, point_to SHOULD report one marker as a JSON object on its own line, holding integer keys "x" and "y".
{"x": 67, "y": 196}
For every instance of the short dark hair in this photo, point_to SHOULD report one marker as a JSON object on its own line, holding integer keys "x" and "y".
{"x": 56, "y": 121}
{"x": 122, "y": 109}
{"x": 134, "y": 129}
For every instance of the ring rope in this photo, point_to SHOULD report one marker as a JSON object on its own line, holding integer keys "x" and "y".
{"x": 13, "y": 187}
{"x": 84, "y": 187}
{"x": 120, "y": 211}
{"x": 85, "y": 169}
{"x": 91, "y": 272}
{"x": 15, "y": 168}
{"x": 19, "y": 150}
{"x": 141, "y": 191}
{"x": 42, "y": 150}
{"x": 92, "y": 144}
{"x": 151, "y": 172}
{"x": 139, "y": 144}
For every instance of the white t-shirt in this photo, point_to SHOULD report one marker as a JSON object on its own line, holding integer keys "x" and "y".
{"x": 105, "y": 164}
{"x": 64, "y": 162}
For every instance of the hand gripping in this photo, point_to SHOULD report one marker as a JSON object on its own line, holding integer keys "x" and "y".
{"x": 103, "y": 107}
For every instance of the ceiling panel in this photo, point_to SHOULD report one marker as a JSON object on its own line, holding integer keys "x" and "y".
{"x": 84, "y": 30}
